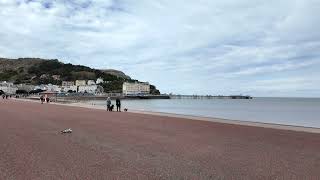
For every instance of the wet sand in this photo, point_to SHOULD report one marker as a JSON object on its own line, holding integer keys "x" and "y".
{"x": 111, "y": 145}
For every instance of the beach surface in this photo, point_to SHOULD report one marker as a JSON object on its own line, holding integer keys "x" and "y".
{"x": 112, "y": 145}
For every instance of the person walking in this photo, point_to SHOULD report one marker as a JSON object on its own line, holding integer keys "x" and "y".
{"x": 41, "y": 99}
{"x": 108, "y": 103}
{"x": 118, "y": 104}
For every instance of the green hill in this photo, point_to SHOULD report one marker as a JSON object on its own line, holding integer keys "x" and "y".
{"x": 42, "y": 71}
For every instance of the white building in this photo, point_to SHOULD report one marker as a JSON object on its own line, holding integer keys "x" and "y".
{"x": 88, "y": 89}
{"x": 42, "y": 87}
{"x": 69, "y": 88}
{"x": 48, "y": 87}
{"x": 94, "y": 89}
{"x": 53, "y": 88}
{"x": 81, "y": 82}
{"x": 8, "y": 88}
{"x": 25, "y": 87}
{"x": 67, "y": 83}
{"x": 99, "y": 80}
{"x": 135, "y": 88}
{"x": 91, "y": 82}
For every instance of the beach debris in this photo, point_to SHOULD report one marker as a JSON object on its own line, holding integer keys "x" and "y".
{"x": 69, "y": 130}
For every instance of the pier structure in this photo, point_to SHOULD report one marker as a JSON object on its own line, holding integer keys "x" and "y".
{"x": 209, "y": 97}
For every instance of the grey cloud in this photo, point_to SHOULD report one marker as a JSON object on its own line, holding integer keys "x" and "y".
{"x": 202, "y": 46}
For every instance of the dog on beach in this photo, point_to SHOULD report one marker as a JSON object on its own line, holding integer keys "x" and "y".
{"x": 125, "y": 109}
{"x": 111, "y": 107}
{"x": 66, "y": 131}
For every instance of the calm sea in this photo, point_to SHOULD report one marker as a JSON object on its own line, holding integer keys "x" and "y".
{"x": 289, "y": 111}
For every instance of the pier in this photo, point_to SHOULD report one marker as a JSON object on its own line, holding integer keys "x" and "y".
{"x": 209, "y": 97}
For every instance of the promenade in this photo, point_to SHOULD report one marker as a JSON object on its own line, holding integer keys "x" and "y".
{"x": 111, "y": 145}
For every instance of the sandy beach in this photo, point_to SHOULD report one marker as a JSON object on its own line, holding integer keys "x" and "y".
{"x": 111, "y": 145}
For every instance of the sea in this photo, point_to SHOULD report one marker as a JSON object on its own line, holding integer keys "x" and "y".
{"x": 287, "y": 111}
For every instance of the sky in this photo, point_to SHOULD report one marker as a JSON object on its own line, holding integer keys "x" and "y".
{"x": 228, "y": 47}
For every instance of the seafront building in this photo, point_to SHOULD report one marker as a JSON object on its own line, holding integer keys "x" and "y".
{"x": 48, "y": 87}
{"x": 99, "y": 80}
{"x": 80, "y": 86}
{"x": 41, "y": 86}
{"x": 94, "y": 89}
{"x": 135, "y": 88}
{"x": 67, "y": 83}
{"x": 25, "y": 87}
{"x": 81, "y": 82}
{"x": 53, "y": 88}
{"x": 8, "y": 87}
{"x": 91, "y": 82}
{"x": 69, "y": 88}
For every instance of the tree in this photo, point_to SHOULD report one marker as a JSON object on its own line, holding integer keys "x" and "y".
{"x": 112, "y": 86}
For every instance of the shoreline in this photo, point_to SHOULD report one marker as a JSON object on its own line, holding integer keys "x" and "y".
{"x": 197, "y": 118}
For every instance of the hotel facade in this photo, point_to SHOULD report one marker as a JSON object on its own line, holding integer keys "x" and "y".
{"x": 135, "y": 88}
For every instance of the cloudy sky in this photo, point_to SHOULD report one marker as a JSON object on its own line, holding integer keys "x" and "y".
{"x": 256, "y": 47}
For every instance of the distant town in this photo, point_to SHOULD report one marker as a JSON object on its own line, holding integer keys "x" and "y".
{"x": 33, "y": 77}
{"x": 92, "y": 87}
{"x": 30, "y": 76}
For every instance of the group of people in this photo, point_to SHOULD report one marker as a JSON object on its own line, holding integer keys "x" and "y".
{"x": 110, "y": 106}
{"x": 44, "y": 99}
{"x": 5, "y": 96}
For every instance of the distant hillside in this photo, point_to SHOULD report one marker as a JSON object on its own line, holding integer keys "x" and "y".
{"x": 43, "y": 71}
{"x": 116, "y": 73}
{"x": 16, "y": 64}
